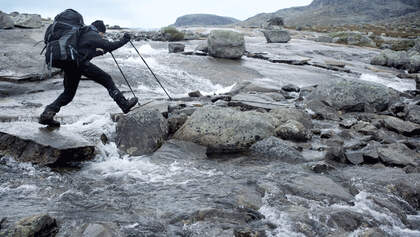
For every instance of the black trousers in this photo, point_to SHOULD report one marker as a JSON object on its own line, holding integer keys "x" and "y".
{"x": 71, "y": 81}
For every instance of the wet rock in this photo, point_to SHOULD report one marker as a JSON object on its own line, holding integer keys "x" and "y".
{"x": 414, "y": 113}
{"x": 226, "y": 130}
{"x": 354, "y": 157}
{"x": 345, "y": 219}
{"x": 397, "y": 154}
{"x": 195, "y": 94}
{"x": 99, "y": 230}
{"x": 203, "y": 47}
{"x": 276, "y": 148}
{"x": 247, "y": 232}
{"x": 319, "y": 110}
{"x": 141, "y": 131}
{"x": 277, "y": 36}
{"x": 335, "y": 151}
{"x": 6, "y": 22}
{"x": 317, "y": 187}
{"x": 291, "y": 88}
{"x": 161, "y": 106}
{"x": 293, "y": 130}
{"x": 414, "y": 66}
{"x": 284, "y": 114}
{"x": 321, "y": 167}
{"x": 355, "y": 96}
{"x": 370, "y": 152}
{"x": 39, "y": 225}
{"x": 28, "y": 20}
{"x": 374, "y": 232}
{"x": 29, "y": 142}
{"x": 348, "y": 123}
{"x": 175, "y": 121}
{"x": 254, "y": 86}
{"x": 403, "y": 127}
{"x": 327, "y": 134}
{"x": 254, "y": 101}
{"x": 176, "y": 47}
{"x": 226, "y": 44}
{"x": 177, "y": 149}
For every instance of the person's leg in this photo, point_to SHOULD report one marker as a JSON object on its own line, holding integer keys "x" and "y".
{"x": 71, "y": 82}
{"x": 96, "y": 74}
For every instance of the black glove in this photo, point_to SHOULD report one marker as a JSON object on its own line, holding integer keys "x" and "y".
{"x": 126, "y": 37}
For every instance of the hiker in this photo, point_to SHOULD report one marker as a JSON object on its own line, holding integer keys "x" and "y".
{"x": 91, "y": 44}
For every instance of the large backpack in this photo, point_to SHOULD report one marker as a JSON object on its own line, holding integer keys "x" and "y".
{"x": 61, "y": 39}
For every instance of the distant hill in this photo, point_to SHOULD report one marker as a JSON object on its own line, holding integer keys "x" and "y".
{"x": 338, "y": 12}
{"x": 204, "y": 20}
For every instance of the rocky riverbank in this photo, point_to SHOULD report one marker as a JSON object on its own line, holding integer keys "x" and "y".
{"x": 289, "y": 140}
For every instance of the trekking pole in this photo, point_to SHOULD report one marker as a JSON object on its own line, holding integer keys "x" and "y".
{"x": 150, "y": 69}
{"x": 124, "y": 77}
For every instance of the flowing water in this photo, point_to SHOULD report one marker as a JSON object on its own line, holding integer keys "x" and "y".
{"x": 149, "y": 196}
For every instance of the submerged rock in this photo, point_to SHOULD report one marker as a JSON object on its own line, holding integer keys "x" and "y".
{"x": 176, "y": 47}
{"x": 226, "y": 44}
{"x": 355, "y": 96}
{"x": 28, "y": 142}
{"x": 39, "y": 225}
{"x": 178, "y": 149}
{"x": 276, "y": 148}
{"x": 141, "y": 131}
{"x": 225, "y": 129}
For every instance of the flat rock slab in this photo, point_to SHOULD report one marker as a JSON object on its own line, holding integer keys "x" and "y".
{"x": 30, "y": 142}
{"x": 255, "y": 101}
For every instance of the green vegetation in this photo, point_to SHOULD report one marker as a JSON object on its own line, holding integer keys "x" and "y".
{"x": 172, "y": 34}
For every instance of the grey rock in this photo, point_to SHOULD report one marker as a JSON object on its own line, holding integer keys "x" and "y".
{"x": 284, "y": 114}
{"x": 141, "y": 131}
{"x": 397, "y": 154}
{"x": 175, "y": 121}
{"x": 319, "y": 110}
{"x": 352, "y": 38}
{"x": 406, "y": 128}
{"x": 370, "y": 152}
{"x": 355, "y": 96}
{"x": 176, "y": 47}
{"x": 354, "y": 157}
{"x": 254, "y": 101}
{"x": 28, "y": 20}
{"x": 293, "y": 130}
{"x": 203, "y": 47}
{"x": 389, "y": 58}
{"x": 177, "y": 149}
{"x": 225, "y": 129}
{"x": 195, "y": 94}
{"x": 29, "y": 142}
{"x": 254, "y": 86}
{"x": 414, "y": 113}
{"x": 275, "y": 23}
{"x": 374, "y": 232}
{"x": 226, "y": 44}
{"x": 97, "y": 230}
{"x": 345, "y": 219}
{"x": 348, "y": 123}
{"x": 276, "y": 148}
{"x": 414, "y": 66}
{"x": 39, "y": 225}
{"x": 276, "y": 36}
{"x": 291, "y": 88}
{"x": 317, "y": 187}
{"x": 6, "y": 22}
{"x": 321, "y": 167}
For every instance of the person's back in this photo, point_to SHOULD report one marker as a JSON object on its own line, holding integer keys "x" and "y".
{"x": 91, "y": 44}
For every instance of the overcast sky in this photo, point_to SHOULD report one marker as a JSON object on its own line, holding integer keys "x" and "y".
{"x": 148, "y": 13}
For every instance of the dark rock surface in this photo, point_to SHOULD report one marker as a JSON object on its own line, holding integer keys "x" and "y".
{"x": 28, "y": 142}
{"x": 141, "y": 131}
{"x": 39, "y": 225}
{"x": 177, "y": 149}
{"x": 398, "y": 154}
{"x": 176, "y": 47}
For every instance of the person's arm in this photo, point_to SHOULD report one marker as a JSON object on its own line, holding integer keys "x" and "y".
{"x": 108, "y": 46}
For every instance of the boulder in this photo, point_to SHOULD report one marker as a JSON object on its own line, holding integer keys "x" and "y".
{"x": 354, "y": 157}
{"x": 29, "y": 142}
{"x": 177, "y": 149}
{"x": 277, "y": 36}
{"x": 28, "y": 20}
{"x": 414, "y": 113}
{"x": 397, "y": 154}
{"x": 355, "y": 96}
{"x": 276, "y": 148}
{"x": 203, "y": 47}
{"x": 406, "y": 128}
{"x": 176, "y": 47}
{"x": 293, "y": 130}
{"x": 346, "y": 219}
{"x": 226, "y": 44}
{"x": 141, "y": 131}
{"x": 225, "y": 129}
{"x": 275, "y": 23}
{"x": 414, "y": 64}
{"x": 39, "y": 225}
{"x": 6, "y": 21}
{"x": 285, "y": 114}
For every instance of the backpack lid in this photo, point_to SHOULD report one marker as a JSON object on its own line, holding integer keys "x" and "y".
{"x": 71, "y": 17}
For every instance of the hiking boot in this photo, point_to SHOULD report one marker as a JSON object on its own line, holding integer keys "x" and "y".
{"x": 47, "y": 118}
{"x": 125, "y": 104}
